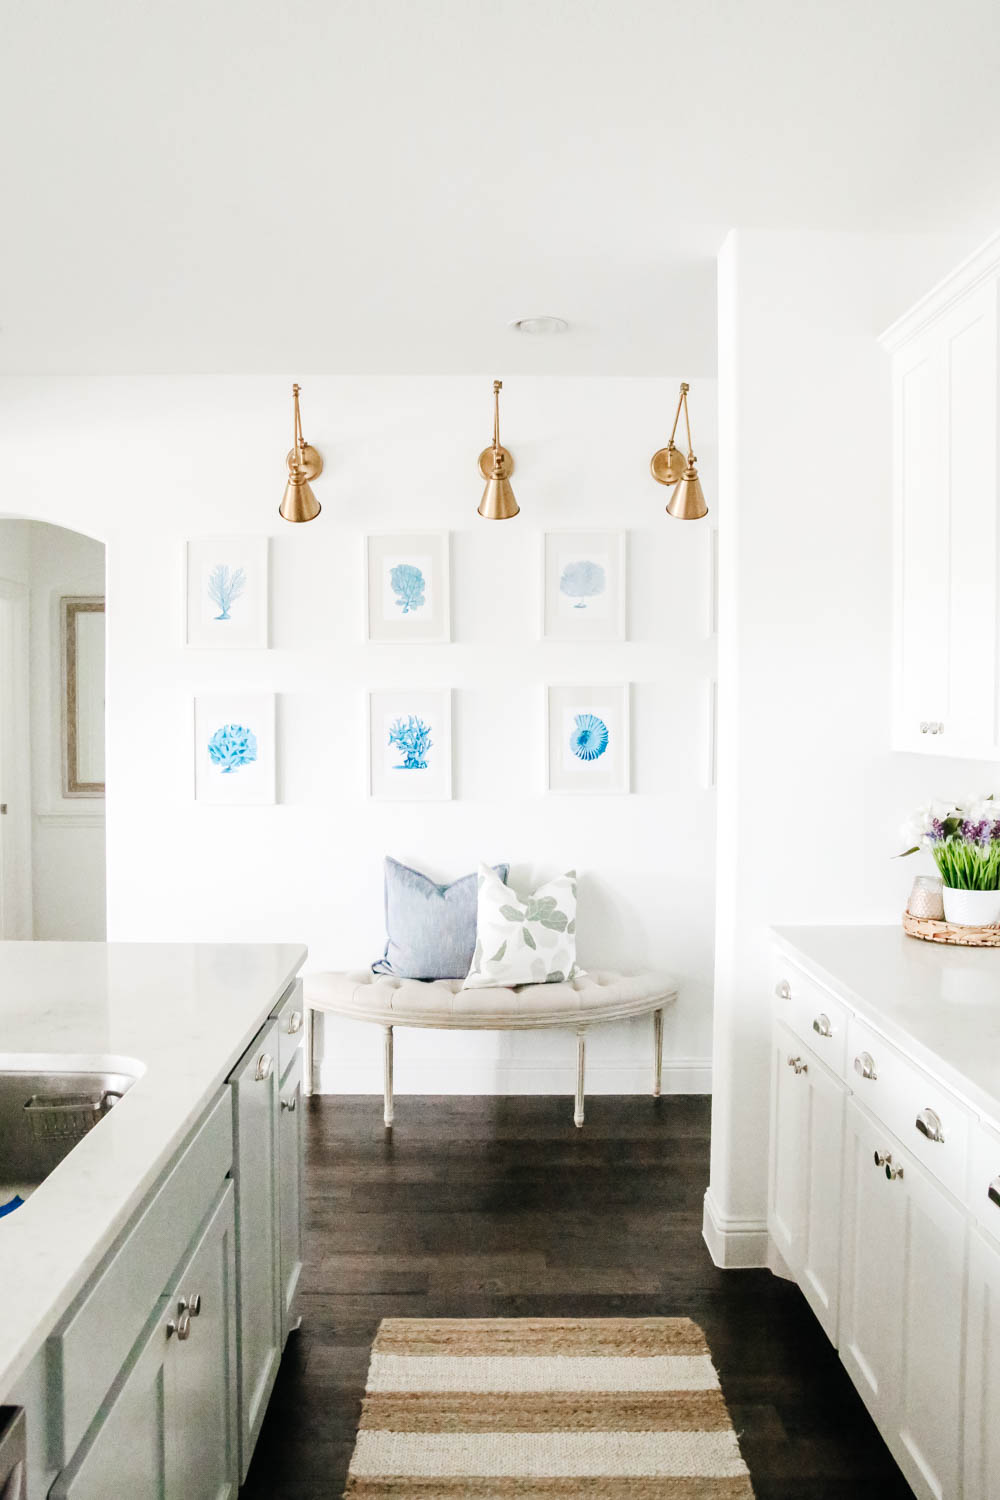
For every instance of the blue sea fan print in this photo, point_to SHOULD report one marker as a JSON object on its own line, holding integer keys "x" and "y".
{"x": 582, "y": 580}
{"x": 407, "y": 583}
{"x": 589, "y": 739}
{"x": 412, "y": 737}
{"x": 232, "y": 746}
{"x": 225, "y": 585}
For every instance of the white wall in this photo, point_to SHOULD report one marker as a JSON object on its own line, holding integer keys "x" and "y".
{"x": 67, "y": 834}
{"x": 810, "y": 796}
{"x": 145, "y": 463}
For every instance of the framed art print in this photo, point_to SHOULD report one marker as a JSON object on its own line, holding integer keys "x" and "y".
{"x": 587, "y": 738}
{"x": 409, "y": 745}
{"x": 408, "y": 593}
{"x": 226, "y": 591}
{"x": 583, "y": 585}
{"x": 234, "y": 756}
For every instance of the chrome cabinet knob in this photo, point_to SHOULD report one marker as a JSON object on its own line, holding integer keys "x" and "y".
{"x": 929, "y": 1124}
{"x": 290, "y": 1104}
{"x": 821, "y": 1025}
{"x": 924, "y": 727}
{"x": 182, "y": 1327}
{"x": 783, "y": 990}
{"x": 798, "y": 1065}
{"x": 294, "y": 1022}
{"x": 993, "y": 1191}
{"x": 865, "y": 1066}
{"x": 191, "y": 1305}
{"x": 881, "y": 1157}
{"x": 892, "y": 1172}
{"x": 265, "y": 1063}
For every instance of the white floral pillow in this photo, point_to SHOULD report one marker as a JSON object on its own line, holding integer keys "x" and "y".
{"x": 524, "y": 942}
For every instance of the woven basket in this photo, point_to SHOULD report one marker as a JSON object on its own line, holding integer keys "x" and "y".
{"x": 948, "y": 932}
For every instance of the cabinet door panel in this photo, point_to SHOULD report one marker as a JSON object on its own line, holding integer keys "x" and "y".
{"x": 787, "y": 1197}
{"x": 255, "y": 1167}
{"x": 982, "y": 1382}
{"x": 203, "y": 1465}
{"x": 922, "y": 541}
{"x": 290, "y": 1129}
{"x": 127, "y": 1453}
{"x": 871, "y": 1299}
{"x": 819, "y": 1277}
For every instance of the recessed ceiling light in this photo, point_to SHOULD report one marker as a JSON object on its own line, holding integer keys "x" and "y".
{"x": 539, "y": 326}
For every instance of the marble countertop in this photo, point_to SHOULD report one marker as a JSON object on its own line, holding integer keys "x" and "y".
{"x": 940, "y": 1003}
{"x": 185, "y": 1013}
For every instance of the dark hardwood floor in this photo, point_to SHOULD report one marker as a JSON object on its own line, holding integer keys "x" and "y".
{"x": 477, "y": 1207}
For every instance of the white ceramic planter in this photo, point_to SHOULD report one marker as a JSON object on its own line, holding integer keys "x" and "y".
{"x": 971, "y": 908}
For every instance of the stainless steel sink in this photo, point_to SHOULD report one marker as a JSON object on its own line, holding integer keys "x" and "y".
{"x": 42, "y": 1117}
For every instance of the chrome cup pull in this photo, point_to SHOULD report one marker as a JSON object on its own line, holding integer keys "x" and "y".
{"x": 993, "y": 1191}
{"x": 798, "y": 1065}
{"x": 290, "y": 1104}
{"x": 783, "y": 990}
{"x": 929, "y": 1124}
{"x": 264, "y": 1065}
{"x": 821, "y": 1025}
{"x": 865, "y": 1065}
{"x": 294, "y": 1022}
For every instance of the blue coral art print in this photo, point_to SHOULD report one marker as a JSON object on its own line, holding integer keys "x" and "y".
{"x": 589, "y": 738}
{"x": 407, "y": 583}
{"x": 224, "y": 587}
{"x": 411, "y": 738}
{"x": 231, "y": 747}
{"x": 582, "y": 580}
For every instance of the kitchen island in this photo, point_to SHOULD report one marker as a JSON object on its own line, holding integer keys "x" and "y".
{"x": 200, "y": 1156}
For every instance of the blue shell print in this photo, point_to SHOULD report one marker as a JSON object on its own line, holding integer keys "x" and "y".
{"x": 407, "y": 583}
{"x": 232, "y": 746}
{"x": 589, "y": 739}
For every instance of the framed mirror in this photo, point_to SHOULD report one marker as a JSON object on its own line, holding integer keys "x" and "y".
{"x": 83, "y": 696}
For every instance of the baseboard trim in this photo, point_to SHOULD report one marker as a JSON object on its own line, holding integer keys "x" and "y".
{"x": 734, "y": 1244}
{"x": 684, "y": 1075}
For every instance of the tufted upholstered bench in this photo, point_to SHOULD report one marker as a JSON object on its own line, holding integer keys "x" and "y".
{"x": 588, "y": 1000}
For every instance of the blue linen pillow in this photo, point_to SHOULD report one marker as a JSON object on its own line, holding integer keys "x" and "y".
{"x": 431, "y": 928}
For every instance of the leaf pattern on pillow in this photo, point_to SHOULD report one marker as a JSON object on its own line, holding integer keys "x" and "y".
{"x": 526, "y": 934}
{"x": 546, "y": 921}
{"x": 498, "y": 955}
{"x": 513, "y": 914}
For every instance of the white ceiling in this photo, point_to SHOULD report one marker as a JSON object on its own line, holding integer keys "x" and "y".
{"x": 379, "y": 185}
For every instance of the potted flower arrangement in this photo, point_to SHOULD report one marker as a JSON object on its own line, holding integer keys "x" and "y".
{"x": 965, "y": 843}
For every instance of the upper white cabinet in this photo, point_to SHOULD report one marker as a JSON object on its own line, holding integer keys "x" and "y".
{"x": 945, "y": 354}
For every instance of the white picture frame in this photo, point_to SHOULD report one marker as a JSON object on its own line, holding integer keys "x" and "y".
{"x": 230, "y": 769}
{"x": 226, "y": 593}
{"x": 408, "y": 586}
{"x": 588, "y": 739}
{"x": 406, "y": 772}
{"x": 584, "y": 586}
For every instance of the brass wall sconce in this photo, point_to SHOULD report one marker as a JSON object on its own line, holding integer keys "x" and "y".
{"x": 667, "y": 466}
{"x": 304, "y": 463}
{"x": 496, "y": 467}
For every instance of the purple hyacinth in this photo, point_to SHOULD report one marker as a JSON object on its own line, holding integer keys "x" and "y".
{"x": 936, "y": 834}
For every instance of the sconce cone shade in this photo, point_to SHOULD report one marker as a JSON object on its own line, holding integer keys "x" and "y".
{"x": 687, "y": 503}
{"x": 498, "y": 503}
{"x": 299, "y": 504}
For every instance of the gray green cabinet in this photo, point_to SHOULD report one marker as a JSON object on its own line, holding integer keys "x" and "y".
{"x": 291, "y": 1156}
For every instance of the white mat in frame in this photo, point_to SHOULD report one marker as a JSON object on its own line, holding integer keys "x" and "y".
{"x": 409, "y": 744}
{"x": 408, "y": 586}
{"x": 584, "y": 585}
{"x": 587, "y": 738}
{"x": 234, "y": 748}
{"x": 225, "y": 590}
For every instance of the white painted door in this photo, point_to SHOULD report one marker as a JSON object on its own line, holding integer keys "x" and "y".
{"x": 789, "y": 1103}
{"x": 982, "y": 1377}
{"x": 823, "y": 1147}
{"x": 871, "y": 1295}
{"x": 15, "y": 777}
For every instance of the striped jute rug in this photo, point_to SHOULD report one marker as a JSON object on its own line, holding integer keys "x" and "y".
{"x": 620, "y": 1408}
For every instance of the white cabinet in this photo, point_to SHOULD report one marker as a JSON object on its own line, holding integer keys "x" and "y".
{"x": 290, "y": 1153}
{"x": 807, "y": 1132}
{"x": 982, "y": 1430}
{"x": 946, "y": 690}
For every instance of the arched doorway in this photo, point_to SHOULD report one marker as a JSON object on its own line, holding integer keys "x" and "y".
{"x": 52, "y": 678}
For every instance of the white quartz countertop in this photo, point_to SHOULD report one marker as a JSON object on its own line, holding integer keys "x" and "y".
{"x": 185, "y": 1013}
{"x": 939, "y": 1003}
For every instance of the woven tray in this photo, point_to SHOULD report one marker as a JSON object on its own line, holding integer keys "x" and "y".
{"x": 949, "y": 932}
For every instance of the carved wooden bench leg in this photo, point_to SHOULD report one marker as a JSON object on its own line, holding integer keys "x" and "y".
{"x": 657, "y": 1052}
{"x": 581, "y": 1059}
{"x": 388, "y": 1077}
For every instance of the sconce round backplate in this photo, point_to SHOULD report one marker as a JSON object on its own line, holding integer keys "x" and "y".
{"x": 486, "y": 463}
{"x": 312, "y": 463}
{"x": 667, "y": 465}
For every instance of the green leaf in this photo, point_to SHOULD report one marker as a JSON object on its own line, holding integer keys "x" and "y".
{"x": 914, "y": 850}
{"x": 528, "y": 938}
{"x": 498, "y": 955}
{"x": 557, "y": 977}
{"x": 512, "y": 914}
{"x": 571, "y": 927}
{"x": 554, "y": 920}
